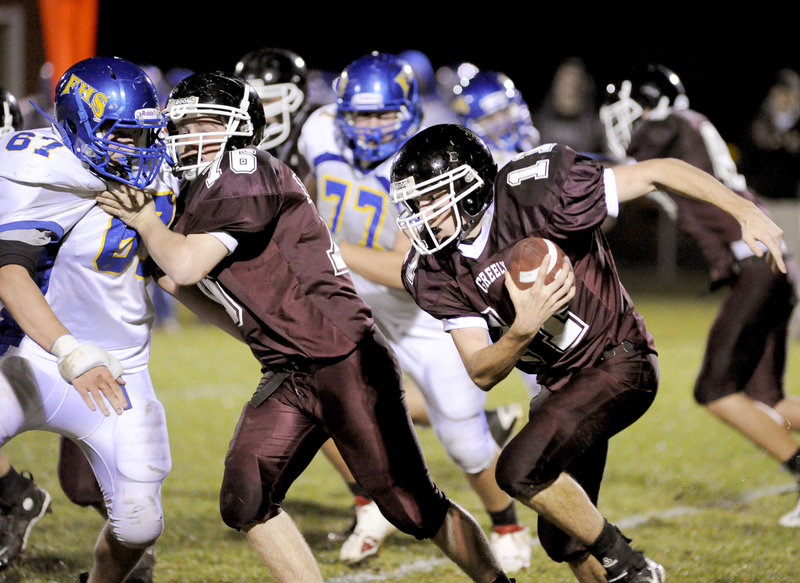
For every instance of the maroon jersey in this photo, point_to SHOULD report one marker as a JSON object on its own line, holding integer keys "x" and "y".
{"x": 690, "y": 136}
{"x": 555, "y": 193}
{"x": 285, "y": 284}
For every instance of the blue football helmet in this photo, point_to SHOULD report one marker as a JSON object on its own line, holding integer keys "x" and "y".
{"x": 378, "y": 83}
{"x": 489, "y": 104}
{"x": 107, "y": 112}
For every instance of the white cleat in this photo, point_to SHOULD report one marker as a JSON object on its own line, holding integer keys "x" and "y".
{"x": 512, "y": 549}
{"x": 791, "y": 519}
{"x": 370, "y": 531}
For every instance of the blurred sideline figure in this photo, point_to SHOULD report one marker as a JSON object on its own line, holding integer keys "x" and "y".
{"x": 568, "y": 112}
{"x": 770, "y": 148}
{"x": 647, "y": 115}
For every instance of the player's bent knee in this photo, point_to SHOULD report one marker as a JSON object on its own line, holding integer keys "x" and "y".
{"x": 137, "y": 532}
{"x": 471, "y": 455}
{"x": 240, "y": 500}
{"x": 522, "y": 482}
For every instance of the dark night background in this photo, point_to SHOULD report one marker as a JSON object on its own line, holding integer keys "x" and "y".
{"x": 726, "y": 61}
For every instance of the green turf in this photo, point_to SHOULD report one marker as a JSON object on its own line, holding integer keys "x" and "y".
{"x": 690, "y": 491}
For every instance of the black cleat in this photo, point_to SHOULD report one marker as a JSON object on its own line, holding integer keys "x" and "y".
{"x": 18, "y": 521}
{"x": 143, "y": 571}
{"x": 652, "y": 572}
{"x": 502, "y": 421}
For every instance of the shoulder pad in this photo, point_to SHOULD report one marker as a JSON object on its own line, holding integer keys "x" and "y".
{"x": 38, "y": 158}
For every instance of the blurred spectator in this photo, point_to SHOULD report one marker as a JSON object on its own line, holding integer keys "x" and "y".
{"x": 568, "y": 112}
{"x": 770, "y": 148}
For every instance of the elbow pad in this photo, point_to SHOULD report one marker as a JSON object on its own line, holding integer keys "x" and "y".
{"x": 19, "y": 253}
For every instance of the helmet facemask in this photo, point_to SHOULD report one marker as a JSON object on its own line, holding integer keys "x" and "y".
{"x": 374, "y": 143}
{"x": 10, "y": 116}
{"x": 618, "y": 118}
{"x": 189, "y": 151}
{"x": 280, "y": 101}
{"x": 445, "y": 193}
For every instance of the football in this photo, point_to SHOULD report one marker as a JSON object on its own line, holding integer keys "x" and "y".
{"x": 526, "y": 258}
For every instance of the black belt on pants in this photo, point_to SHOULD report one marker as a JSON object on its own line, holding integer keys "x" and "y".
{"x": 269, "y": 383}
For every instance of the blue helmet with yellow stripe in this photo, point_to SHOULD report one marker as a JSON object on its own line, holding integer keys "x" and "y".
{"x": 107, "y": 112}
{"x": 378, "y": 105}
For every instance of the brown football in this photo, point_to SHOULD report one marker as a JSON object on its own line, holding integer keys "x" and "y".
{"x": 526, "y": 258}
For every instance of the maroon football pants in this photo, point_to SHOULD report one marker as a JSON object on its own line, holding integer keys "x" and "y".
{"x": 746, "y": 347}
{"x": 569, "y": 432}
{"x": 360, "y": 403}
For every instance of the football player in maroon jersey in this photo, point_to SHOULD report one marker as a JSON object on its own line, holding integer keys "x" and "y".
{"x": 596, "y": 359}
{"x": 741, "y": 378}
{"x": 249, "y": 235}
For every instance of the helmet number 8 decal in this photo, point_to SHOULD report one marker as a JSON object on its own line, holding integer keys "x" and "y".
{"x": 243, "y": 161}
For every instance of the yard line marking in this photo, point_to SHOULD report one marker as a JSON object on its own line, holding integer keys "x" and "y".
{"x": 421, "y": 566}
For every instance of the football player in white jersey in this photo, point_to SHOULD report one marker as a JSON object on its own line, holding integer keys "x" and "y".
{"x": 76, "y": 316}
{"x": 349, "y": 147}
{"x": 22, "y": 502}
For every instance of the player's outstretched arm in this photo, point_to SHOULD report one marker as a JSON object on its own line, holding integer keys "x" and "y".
{"x": 677, "y": 176}
{"x": 185, "y": 259}
{"x": 87, "y": 367}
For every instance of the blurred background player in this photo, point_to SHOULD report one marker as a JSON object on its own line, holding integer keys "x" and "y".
{"x": 489, "y": 104}
{"x": 349, "y": 147}
{"x": 435, "y": 106}
{"x": 647, "y": 115}
{"x": 50, "y": 282}
{"x": 10, "y": 114}
{"x": 280, "y": 77}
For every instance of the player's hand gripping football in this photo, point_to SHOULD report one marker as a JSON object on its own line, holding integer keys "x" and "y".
{"x": 129, "y": 204}
{"x": 536, "y": 304}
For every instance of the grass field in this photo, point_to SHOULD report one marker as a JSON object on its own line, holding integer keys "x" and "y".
{"x": 690, "y": 491}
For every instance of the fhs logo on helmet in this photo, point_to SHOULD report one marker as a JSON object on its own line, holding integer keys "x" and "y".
{"x": 404, "y": 79}
{"x": 92, "y": 97}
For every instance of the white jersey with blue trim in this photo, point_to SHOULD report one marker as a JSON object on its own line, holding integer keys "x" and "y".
{"x": 357, "y": 209}
{"x": 90, "y": 269}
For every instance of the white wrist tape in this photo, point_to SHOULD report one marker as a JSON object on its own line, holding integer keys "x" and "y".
{"x": 75, "y": 358}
